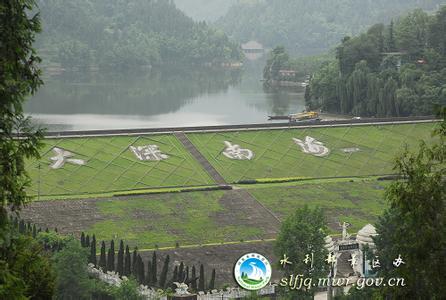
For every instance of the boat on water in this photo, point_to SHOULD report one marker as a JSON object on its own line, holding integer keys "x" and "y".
{"x": 304, "y": 116}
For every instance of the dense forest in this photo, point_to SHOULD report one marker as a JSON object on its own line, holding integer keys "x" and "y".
{"x": 393, "y": 70}
{"x": 205, "y": 10}
{"x": 311, "y": 27}
{"x": 124, "y": 34}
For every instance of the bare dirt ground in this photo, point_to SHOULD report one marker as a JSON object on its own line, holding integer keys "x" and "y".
{"x": 221, "y": 258}
{"x": 241, "y": 208}
{"x": 71, "y": 216}
{"x": 74, "y": 216}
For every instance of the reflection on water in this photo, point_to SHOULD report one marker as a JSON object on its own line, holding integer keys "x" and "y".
{"x": 166, "y": 98}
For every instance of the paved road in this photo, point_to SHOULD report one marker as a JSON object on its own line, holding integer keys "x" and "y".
{"x": 306, "y": 124}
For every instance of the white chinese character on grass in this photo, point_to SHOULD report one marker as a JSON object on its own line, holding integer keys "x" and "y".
{"x": 285, "y": 261}
{"x": 312, "y": 146}
{"x": 148, "y": 152}
{"x": 376, "y": 263}
{"x": 398, "y": 261}
{"x": 62, "y": 157}
{"x": 235, "y": 152}
{"x": 353, "y": 260}
{"x": 331, "y": 259}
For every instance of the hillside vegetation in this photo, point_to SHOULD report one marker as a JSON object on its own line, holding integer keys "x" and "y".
{"x": 125, "y": 34}
{"x": 207, "y": 10}
{"x": 311, "y": 27}
{"x": 393, "y": 70}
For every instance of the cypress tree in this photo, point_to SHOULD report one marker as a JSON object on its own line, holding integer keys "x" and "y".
{"x": 135, "y": 262}
{"x": 102, "y": 259}
{"x": 180, "y": 272}
{"x": 127, "y": 262}
{"x": 186, "y": 274}
{"x": 163, "y": 276}
{"x": 28, "y": 228}
{"x": 391, "y": 46}
{"x": 201, "y": 286}
{"x": 111, "y": 257}
{"x": 194, "y": 279}
{"x": 82, "y": 239}
{"x": 175, "y": 274}
{"x": 87, "y": 241}
{"x": 212, "y": 281}
{"x": 120, "y": 266}
{"x": 148, "y": 281}
{"x": 141, "y": 270}
{"x": 16, "y": 223}
{"x": 22, "y": 226}
{"x": 154, "y": 271}
{"x": 93, "y": 251}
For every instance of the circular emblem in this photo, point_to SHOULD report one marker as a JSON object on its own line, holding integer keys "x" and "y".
{"x": 252, "y": 271}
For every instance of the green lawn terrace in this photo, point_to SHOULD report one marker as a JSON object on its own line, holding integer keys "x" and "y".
{"x": 276, "y": 155}
{"x": 358, "y": 202}
{"x": 211, "y": 217}
{"x": 111, "y": 166}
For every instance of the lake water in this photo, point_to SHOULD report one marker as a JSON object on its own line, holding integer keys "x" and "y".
{"x": 159, "y": 98}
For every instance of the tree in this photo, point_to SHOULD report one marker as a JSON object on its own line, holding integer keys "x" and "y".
{"x": 120, "y": 265}
{"x": 140, "y": 272}
{"x": 32, "y": 265}
{"x": 19, "y": 77}
{"x": 181, "y": 272}
{"x": 194, "y": 279}
{"x": 148, "y": 276}
{"x": 175, "y": 275}
{"x": 87, "y": 240}
{"x": 301, "y": 234}
{"x": 111, "y": 257}
{"x": 163, "y": 276}
{"x": 102, "y": 259}
{"x": 92, "y": 258}
{"x": 128, "y": 290}
{"x": 201, "y": 285}
{"x": 82, "y": 239}
{"x": 70, "y": 266}
{"x": 135, "y": 262}
{"x": 415, "y": 224}
{"x": 391, "y": 38}
{"x": 212, "y": 281}
{"x": 127, "y": 262}
{"x": 154, "y": 269}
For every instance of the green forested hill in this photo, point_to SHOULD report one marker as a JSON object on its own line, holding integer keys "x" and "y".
{"x": 127, "y": 33}
{"x": 393, "y": 70}
{"x": 311, "y": 27}
{"x": 207, "y": 10}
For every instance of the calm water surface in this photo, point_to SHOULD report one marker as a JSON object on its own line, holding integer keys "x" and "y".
{"x": 161, "y": 98}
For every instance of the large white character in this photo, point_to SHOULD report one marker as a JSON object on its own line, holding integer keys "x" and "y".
{"x": 62, "y": 156}
{"x": 148, "y": 152}
{"x": 235, "y": 152}
{"x": 312, "y": 146}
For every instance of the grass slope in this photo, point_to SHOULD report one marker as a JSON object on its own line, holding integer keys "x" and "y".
{"x": 186, "y": 218}
{"x": 277, "y": 156}
{"x": 111, "y": 166}
{"x": 359, "y": 202}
